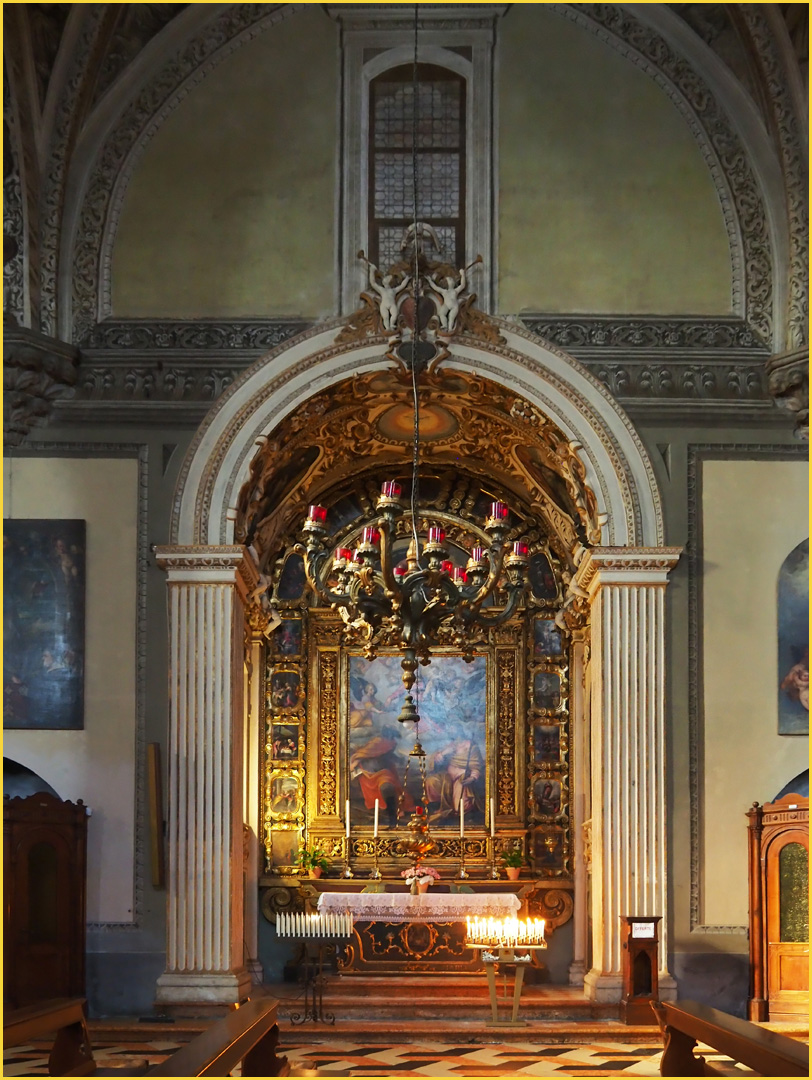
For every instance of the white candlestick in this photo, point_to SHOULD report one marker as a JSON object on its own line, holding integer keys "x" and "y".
{"x": 493, "y": 820}
{"x": 462, "y": 819}
{"x": 347, "y": 816}
{"x": 376, "y": 820}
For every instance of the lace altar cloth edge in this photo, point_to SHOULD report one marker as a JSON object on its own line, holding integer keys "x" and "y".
{"x": 425, "y": 907}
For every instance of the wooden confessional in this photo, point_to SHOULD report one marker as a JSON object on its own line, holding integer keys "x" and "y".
{"x": 44, "y": 871}
{"x": 779, "y": 909}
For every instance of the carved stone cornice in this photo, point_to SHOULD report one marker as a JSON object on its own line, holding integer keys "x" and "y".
{"x": 788, "y": 380}
{"x": 580, "y": 334}
{"x": 190, "y": 336}
{"x": 37, "y": 371}
{"x": 624, "y": 566}
{"x": 221, "y": 564}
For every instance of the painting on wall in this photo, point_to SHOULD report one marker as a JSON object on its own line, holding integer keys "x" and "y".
{"x": 452, "y": 703}
{"x": 793, "y": 643}
{"x": 43, "y": 623}
{"x": 546, "y": 690}
{"x": 285, "y": 689}
{"x": 285, "y": 741}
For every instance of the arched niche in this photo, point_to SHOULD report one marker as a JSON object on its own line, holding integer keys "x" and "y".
{"x": 616, "y": 467}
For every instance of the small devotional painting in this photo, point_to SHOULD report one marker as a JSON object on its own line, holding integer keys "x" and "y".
{"x": 452, "y": 702}
{"x": 285, "y": 795}
{"x": 547, "y": 796}
{"x": 546, "y": 638}
{"x": 546, "y": 744}
{"x": 287, "y": 638}
{"x": 546, "y": 690}
{"x": 285, "y": 742}
{"x": 285, "y": 689}
{"x": 43, "y": 623}
{"x": 793, "y": 643}
{"x": 548, "y": 849}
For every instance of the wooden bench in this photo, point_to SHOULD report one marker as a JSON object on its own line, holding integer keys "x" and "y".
{"x": 685, "y": 1023}
{"x": 249, "y": 1034}
{"x": 71, "y": 1054}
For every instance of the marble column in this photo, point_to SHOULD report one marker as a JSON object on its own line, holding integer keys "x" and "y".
{"x": 579, "y": 764}
{"x": 251, "y": 806}
{"x": 205, "y": 962}
{"x": 625, "y": 588}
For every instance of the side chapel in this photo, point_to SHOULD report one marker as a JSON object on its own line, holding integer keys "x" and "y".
{"x": 242, "y": 243}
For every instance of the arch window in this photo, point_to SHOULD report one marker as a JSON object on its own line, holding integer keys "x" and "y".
{"x": 435, "y": 167}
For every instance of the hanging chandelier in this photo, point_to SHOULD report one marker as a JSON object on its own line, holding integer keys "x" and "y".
{"x": 408, "y": 604}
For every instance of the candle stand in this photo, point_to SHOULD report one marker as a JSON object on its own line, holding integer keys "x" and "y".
{"x": 506, "y": 942}
{"x": 494, "y": 873}
{"x": 375, "y": 874}
{"x": 347, "y": 870}
{"x": 316, "y": 934}
{"x": 463, "y": 873}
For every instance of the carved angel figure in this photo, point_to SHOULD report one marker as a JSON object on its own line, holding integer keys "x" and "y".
{"x": 388, "y": 292}
{"x": 447, "y": 299}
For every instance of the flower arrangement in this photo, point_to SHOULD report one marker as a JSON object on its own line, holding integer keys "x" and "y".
{"x": 423, "y": 875}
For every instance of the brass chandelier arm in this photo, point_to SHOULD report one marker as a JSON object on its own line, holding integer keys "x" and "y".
{"x": 487, "y": 621}
{"x": 315, "y": 558}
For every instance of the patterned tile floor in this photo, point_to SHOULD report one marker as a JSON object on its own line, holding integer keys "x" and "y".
{"x": 419, "y": 1058}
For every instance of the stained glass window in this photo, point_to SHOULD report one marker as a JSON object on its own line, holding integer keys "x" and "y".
{"x": 439, "y": 161}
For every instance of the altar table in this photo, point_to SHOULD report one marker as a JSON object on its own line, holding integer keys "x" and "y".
{"x": 425, "y": 907}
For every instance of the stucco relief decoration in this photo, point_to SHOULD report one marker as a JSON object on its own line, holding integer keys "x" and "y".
{"x": 445, "y": 302}
{"x": 463, "y": 417}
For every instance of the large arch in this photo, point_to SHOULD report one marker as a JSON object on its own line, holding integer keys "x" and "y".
{"x": 618, "y": 468}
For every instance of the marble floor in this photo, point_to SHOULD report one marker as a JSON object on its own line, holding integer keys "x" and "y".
{"x": 423, "y": 1058}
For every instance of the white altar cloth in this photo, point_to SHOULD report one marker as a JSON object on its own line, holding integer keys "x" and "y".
{"x": 425, "y": 907}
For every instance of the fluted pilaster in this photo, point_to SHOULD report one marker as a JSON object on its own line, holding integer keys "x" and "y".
{"x": 204, "y": 960}
{"x": 626, "y": 589}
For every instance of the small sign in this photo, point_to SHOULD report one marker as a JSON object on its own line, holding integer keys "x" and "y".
{"x": 643, "y": 930}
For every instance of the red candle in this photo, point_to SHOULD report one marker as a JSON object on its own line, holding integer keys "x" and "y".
{"x": 520, "y": 549}
{"x": 391, "y": 489}
{"x": 499, "y": 510}
{"x": 460, "y": 575}
{"x": 478, "y": 554}
{"x": 448, "y": 566}
{"x": 436, "y": 534}
{"x": 317, "y": 514}
{"x": 399, "y": 572}
{"x": 342, "y": 553}
{"x": 370, "y": 535}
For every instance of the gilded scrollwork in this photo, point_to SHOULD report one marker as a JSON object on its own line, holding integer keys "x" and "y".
{"x": 328, "y": 733}
{"x": 555, "y": 906}
{"x": 506, "y": 732}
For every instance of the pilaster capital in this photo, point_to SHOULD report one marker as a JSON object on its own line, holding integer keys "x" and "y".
{"x": 201, "y": 564}
{"x": 624, "y": 566}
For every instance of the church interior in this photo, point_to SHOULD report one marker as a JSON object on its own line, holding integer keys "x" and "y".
{"x": 406, "y": 535}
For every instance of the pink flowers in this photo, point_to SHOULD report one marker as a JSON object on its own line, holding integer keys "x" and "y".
{"x": 421, "y": 874}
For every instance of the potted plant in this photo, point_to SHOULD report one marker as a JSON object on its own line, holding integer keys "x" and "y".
{"x": 314, "y": 860}
{"x": 418, "y": 878}
{"x": 513, "y": 861}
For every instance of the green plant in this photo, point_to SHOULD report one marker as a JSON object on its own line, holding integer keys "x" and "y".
{"x": 514, "y": 857}
{"x": 311, "y": 858}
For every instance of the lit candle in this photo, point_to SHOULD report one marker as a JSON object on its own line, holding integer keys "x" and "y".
{"x": 317, "y": 514}
{"x": 436, "y": 535}
{"x": 370, "y": 535}
{"x": 520, "y": 549}
{"x": 493, "y": 819}
{"x": 375, "y": 834}
{"x": 499, "y": 510}
{"x": 391, "y": 489}
{"x": 347, "y": 816}
{"x": 462, "y": 818}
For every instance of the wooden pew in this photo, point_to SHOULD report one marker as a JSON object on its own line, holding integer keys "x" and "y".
{"x": 685, "y": 1023}
{"x": 71, "y": 1054}
{"x": 249, "y": 1035}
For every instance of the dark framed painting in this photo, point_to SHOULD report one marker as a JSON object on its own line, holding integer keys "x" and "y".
{"x": 546, "y": 638}
{"x": 285, "y": 742}
{"x": 793, "y": 642}
{"x": 546, "y": 690}
{"x": 292, "y": 580}
{"x": 547, "y": 796}
{"x": 44, "y": 623}
{"x": 452, "y": 699}
{"x": 546, "y": 744}
{"x": 285, "y": 689}
{"x": 287, "y": 637}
